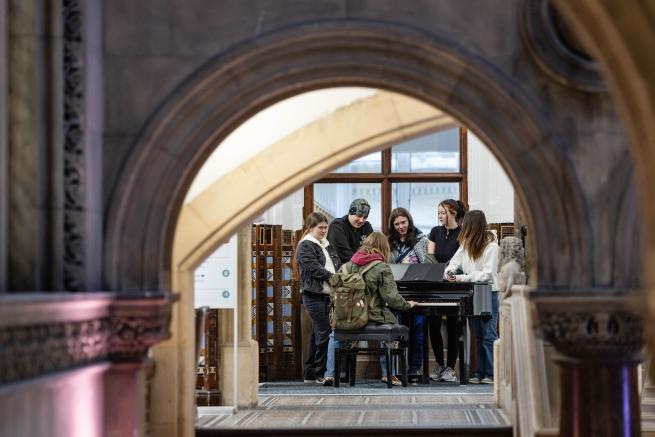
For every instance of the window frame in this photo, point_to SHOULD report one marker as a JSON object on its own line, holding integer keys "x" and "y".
{"x": 386, "y": 178}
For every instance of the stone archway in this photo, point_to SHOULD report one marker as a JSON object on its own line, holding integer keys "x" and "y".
{"x": 239, "y": 83}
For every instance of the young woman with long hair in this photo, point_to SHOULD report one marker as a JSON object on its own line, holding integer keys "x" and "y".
{"x": 317, "y": 262}
{"x": 380, "y": 284}
{"x": 407, "y": 243}
{"x": 443, "y": 244}
{"x": 409, "y": 246}
{"x": 476, "y": 260}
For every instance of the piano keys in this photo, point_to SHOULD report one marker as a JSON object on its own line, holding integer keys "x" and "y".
{"x": 437, "y": 297}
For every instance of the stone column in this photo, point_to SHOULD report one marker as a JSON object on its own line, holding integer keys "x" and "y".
{"x": 248, "y": 350}
{"x": 138, "y": 321}
{"x": 598, "y": 338}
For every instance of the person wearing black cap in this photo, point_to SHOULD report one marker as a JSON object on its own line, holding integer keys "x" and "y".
{"x": 347, "y": 233}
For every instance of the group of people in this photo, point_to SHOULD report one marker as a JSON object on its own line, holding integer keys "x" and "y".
{"x": 461, "y": 240}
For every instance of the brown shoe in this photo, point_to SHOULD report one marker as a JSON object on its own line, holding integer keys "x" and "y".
{"x": 394, "y": 380}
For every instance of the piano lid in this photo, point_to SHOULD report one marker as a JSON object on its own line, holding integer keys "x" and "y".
{"x": 418, "y": 272}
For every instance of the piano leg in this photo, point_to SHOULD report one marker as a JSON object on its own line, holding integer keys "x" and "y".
{"x": 464, "y": 349}
{"x": 337, "y": 363}
{"x": 427, "y": 350}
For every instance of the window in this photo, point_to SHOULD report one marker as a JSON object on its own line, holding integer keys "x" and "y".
{"x": 416, "y": 174}
{"x": 334, "y": 200}
{"x": 421, "y": 200}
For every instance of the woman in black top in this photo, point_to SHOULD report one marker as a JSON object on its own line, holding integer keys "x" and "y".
{"x": 442, "y": 246}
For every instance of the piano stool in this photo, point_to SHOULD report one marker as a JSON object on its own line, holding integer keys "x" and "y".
{"x": 372, "y": 332}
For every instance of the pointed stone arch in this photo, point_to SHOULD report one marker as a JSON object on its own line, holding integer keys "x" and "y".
{"x": 239, "y": 83}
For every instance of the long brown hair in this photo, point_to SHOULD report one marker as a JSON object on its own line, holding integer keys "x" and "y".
{"x": 376, "y": 242}
{"x": 393, "y": 236}
{"x": 474, "y": 235}
{"x": 455, "y": 207}
{"x": 312, "y": 220}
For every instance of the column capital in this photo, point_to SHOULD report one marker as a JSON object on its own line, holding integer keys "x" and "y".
{"x": 591, "y": 326}
{"x": 138, "y": 321}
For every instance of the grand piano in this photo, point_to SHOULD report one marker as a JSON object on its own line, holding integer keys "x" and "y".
{"x": 435, "y": 296}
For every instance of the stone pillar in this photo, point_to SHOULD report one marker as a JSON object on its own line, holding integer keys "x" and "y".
{"x": 247, "y": 348}
{"x": 599, "y": 339}
{"x": 138, "y": 321}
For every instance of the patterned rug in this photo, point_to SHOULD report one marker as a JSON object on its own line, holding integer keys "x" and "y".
{"x": 369, "y": 405}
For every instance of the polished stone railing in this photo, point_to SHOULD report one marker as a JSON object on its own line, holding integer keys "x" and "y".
{"x": 526, "y": 388}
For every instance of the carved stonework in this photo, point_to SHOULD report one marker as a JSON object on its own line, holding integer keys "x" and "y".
{"x": 29, "y": 351}
{"x": 556, "y": 49}
{"x": 52, "y": 332}
{"x": 73, "y": 154}
{"x": 586, "y": 334}
{"x": 136, "y": 325}
{"x": 594, "y": 328}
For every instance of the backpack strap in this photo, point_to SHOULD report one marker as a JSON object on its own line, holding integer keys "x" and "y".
{"x": 369, "y": 266}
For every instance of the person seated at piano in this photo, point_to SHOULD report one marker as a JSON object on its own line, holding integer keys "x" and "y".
{"x": 317, "y": 262}
{"x": 381, "y": 285}
{"x": 442, "y": 246}
{"x": 409, "y": 246}
{"x": 477, "y": 260}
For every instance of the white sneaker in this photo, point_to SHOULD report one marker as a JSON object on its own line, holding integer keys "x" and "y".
{"x": 435, "y": 375}
{"x": 448, "y": 375}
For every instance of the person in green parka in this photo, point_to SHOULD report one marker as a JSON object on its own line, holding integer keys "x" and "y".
{"x": 380, "y": 284}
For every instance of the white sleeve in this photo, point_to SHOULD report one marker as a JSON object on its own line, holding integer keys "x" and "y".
{"x": 489, "y": 265}
{"x": 455, "y": 262}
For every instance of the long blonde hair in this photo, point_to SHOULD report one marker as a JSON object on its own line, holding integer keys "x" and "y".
{"x": 474, "y": 235}
{"x": 376, "y": 242}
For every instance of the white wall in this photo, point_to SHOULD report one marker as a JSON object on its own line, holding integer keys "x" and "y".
{"x": 489, "y": 187}
{"x": 216, "y": 279}
{"x": 287, "y": 212}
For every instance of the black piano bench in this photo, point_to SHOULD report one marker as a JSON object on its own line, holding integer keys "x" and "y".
{"x": 372, "y": 331}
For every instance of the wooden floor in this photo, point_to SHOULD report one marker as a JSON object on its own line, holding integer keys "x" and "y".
{"x": 369, "y": 408}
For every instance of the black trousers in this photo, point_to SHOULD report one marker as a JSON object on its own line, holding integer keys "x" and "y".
{"x": 437, "y": 341}
{"x": 317, "y": 306}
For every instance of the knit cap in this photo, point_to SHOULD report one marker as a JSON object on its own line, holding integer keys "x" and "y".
{"x": 359, "y": 207}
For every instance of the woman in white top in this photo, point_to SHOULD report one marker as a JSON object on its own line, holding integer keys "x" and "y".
{"x": 476, "y": 260}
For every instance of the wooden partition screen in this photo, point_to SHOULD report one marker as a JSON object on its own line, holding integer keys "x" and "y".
{"x": 207, "y": 393}
{"x": 275, "y": 303}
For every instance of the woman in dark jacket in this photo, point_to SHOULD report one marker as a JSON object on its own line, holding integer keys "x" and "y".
{"x": 317, "y": 262}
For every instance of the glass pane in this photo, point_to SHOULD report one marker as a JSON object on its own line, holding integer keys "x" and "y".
{"x": 437, "y": 152}
{"x": 334, "y": 200}
{"x": 366, "y": 164}
{"x": 421, "y": 200}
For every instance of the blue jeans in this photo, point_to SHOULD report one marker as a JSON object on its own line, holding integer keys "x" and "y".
{"x": 416, "y": 340}
{"x": 332, "y": 344}
{"x": 383, "y": 363}
{"x": 485, "y": 334}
